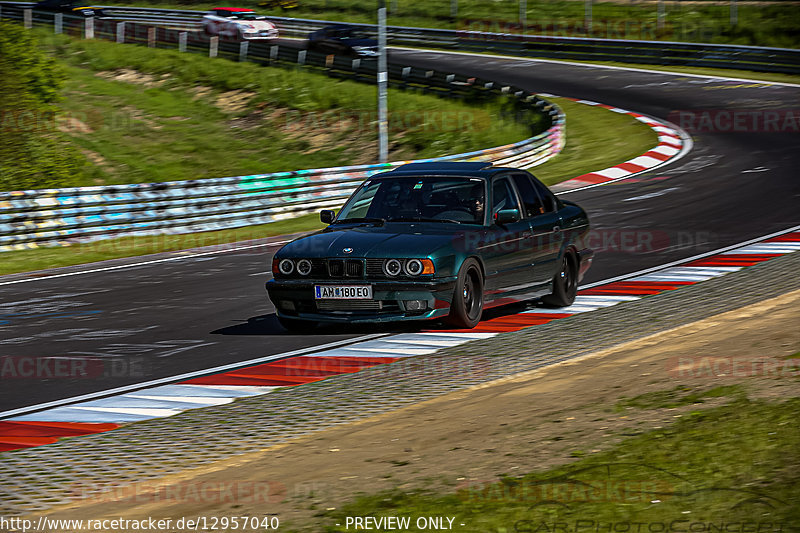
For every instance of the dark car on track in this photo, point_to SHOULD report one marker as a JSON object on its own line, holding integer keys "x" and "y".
{"x": 68, "y": 6}
{"x": 433, "y": 241}
{"x": 343, "y": 39}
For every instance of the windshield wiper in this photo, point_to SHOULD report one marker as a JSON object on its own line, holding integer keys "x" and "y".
{"x": 423, "y": 219}
{"x": 356, "y": 220}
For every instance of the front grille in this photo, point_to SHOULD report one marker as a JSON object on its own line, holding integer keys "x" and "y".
{"x": 346, "y": 268}
{"x": 354, "y": 268}
{"x": 319, "y": 269}
{"x": 349, "y": 305}
{"x": 375, "y": 268}
{"x": 336, "y": 268}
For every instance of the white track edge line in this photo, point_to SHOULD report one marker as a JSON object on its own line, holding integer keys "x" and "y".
{"x": 142, "y": 263}
{"x": 689, "y": 259}
{"x": 181, "y": 377}
{"x": 595, "y": 65}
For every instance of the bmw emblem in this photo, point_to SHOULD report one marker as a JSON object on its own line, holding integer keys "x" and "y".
{"x": 348, "y": 250}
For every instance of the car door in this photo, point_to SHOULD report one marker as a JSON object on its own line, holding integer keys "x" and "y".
{"x": 547, "y": 233}
{"x": 506, "y": 248}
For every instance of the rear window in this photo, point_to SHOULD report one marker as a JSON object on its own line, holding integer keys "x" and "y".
{"x": 548, "y": 199}
{"x": 531, "y": 201}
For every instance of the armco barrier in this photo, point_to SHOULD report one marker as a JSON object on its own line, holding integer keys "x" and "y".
{"x": 753, "y": 58}
{"x": 57, "y": 217}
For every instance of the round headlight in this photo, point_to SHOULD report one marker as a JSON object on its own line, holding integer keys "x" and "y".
{"x": 392, "y": 267}
{"x": 304, "y": 267}
{"x": 414, "y": 267}
{"x": 286, "y": 266}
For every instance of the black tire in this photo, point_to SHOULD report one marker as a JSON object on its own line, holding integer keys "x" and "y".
{"x": 467, "y": 306}
{"x": 294, "y": 326}
{"x": 565, "y": 283}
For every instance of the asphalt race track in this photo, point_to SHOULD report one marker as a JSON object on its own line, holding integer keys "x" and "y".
{"x": 158, "y": 320}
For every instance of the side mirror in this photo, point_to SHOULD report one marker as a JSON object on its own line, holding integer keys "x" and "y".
{"x": 506, "y": 216}
{"x": 326, "y": 216}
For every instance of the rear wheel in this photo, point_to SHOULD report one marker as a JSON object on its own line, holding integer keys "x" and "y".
{"x": 565, "y": 283}
{"x": 467, "y": 306}
{"x": 292, "y": 325}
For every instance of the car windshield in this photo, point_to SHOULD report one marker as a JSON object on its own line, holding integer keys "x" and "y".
{"x": 353, "y": 34}
{"x": 237, "y": 14}
{"x": 345, "y": 33}
{"x": 424, "y": 199}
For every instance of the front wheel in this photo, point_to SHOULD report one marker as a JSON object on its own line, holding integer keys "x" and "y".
{"x": 294, "y": 326}
{"x": 565, "y": 283}
{"x": 467, "y": 306}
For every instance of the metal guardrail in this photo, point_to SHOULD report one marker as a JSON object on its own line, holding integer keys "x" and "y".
{"x": 34, "y": 218}
{"x": 781, "y": 60}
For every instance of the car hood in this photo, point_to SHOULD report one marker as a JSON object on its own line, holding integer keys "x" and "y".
{"x": 391, "y": 240}
{"x": 255, "y": 24}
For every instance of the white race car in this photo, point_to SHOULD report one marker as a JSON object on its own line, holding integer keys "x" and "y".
{"x": 238, "y": 24}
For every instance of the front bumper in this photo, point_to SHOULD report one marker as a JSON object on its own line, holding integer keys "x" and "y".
{"x": 259, "y": 36}
{"x": 390, "y": 300}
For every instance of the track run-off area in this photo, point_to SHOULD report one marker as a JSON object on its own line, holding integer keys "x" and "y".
{"x": 187, "y": 323}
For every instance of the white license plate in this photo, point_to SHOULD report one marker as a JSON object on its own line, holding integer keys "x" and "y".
{"x": 343, "y": 292}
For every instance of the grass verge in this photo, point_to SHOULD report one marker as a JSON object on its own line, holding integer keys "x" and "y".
{"x": 147, "y": 115}
{"x": 733, "y": 464}
{"x": 589, "y": 145}
{"x": 677, "y": 397}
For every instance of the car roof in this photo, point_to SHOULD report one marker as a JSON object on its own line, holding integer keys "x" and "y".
{"x": 475, "y": 169}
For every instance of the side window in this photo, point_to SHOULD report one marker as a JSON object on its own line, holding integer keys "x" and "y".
{"x": 549, "y": 201}
{"x": 531, "y": 202}
{"x": 502, "y": 196}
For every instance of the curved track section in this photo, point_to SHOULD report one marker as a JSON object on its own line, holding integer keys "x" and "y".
{"x": 673, "y": 144}
{"x": 195, "y": 312}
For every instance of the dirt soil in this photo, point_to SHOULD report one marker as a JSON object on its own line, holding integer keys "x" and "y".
{"x": 524, "y": 423}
